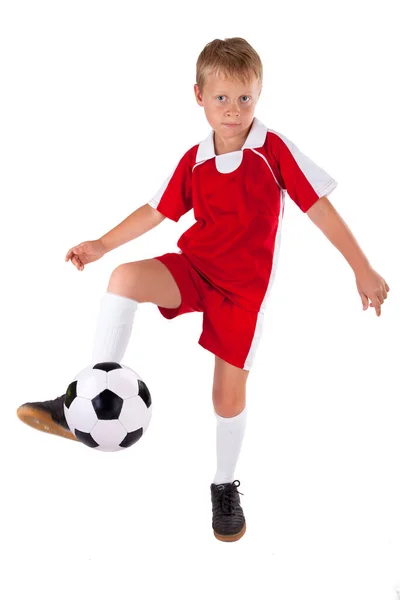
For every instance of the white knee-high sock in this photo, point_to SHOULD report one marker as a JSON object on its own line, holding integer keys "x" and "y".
{"x": 114, "y": 327}
{"x": 230, "y": 433}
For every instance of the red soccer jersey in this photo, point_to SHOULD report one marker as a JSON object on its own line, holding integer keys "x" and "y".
{"x": 238, "y": 202}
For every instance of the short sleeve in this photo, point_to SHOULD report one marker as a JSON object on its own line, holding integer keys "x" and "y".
{"x": 303, "y": 179}
{"x": 174, "y": 198}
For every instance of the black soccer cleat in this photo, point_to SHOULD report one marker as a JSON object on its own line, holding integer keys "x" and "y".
{"x": 46, "y": 416}
{"x": 228, "y": 520}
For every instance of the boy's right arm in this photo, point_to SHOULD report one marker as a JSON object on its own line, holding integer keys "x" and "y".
{"x": 141, "y": 220}
{"x": 136, "y": 224}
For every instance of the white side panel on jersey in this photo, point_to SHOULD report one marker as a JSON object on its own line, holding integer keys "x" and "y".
{"x": 260, "y": 319}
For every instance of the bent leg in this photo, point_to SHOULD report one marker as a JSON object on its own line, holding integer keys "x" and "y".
{"x": 130, "y": 283}
{"x": 146, "y": 281}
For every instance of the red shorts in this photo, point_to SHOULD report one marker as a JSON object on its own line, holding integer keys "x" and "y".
{"x": 229, "y": 331}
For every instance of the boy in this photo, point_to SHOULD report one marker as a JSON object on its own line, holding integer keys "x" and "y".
{"x": 235, "y": 180}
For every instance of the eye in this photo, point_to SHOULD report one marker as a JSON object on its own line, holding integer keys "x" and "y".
{"x": 222, "y": 96}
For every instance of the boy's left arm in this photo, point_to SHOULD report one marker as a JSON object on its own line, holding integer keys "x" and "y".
{"x": 370, "y": 284}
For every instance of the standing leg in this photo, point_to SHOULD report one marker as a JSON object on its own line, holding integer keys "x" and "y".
{"x": 229, "y": 399}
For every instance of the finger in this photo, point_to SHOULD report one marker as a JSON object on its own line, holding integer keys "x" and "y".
{"x": 71, "y": 253}
{"x": 377, "y": 306}
{"x": 364, "y": 300}
{"x": 74, "y": 250}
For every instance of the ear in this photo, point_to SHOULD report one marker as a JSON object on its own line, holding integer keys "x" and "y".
{"x": 198, "y": 95}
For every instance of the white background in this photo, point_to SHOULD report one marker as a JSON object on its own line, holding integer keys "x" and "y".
{"x": 97, "y": 106}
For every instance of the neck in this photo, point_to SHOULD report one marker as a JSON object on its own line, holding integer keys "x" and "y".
{"x": 224, "y": 145}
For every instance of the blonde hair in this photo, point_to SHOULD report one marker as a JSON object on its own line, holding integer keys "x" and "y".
{"x": 232, "y": 57}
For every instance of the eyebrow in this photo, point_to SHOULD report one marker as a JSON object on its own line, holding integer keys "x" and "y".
{"x": 224, "y": 93}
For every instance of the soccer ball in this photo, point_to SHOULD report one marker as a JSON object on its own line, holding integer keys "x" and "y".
{"x": 108, "y": 406}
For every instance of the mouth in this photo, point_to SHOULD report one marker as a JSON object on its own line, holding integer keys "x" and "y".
{"x": 231, "y": 124}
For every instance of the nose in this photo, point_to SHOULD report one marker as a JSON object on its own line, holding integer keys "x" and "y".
{"x": 232, "y": 110}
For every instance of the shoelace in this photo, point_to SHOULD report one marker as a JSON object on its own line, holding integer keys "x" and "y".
{"x": 226, "y": 496}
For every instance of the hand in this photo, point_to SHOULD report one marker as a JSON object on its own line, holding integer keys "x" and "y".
{"x": 372, "y": 286}
{"x": 85, "y": 253}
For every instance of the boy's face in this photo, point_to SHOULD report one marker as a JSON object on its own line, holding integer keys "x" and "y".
{"x": 229, "y": 101}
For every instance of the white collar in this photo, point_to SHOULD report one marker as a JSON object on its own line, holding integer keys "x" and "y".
{"x": 255, "y": 139}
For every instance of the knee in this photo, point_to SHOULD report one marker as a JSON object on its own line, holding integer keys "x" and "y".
{"x": 228, "y": 404}
{"x": 122, "y": 280}
{"x": 122, "y": 271}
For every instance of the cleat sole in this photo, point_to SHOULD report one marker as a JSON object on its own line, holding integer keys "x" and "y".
{"x": 231, "y": 538}
{"x": 41, "y": 420}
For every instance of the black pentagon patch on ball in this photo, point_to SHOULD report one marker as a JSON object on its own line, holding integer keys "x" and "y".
{"x": 85, "y": 438}
{"x": 144, "y": 393}
{"x": 107, "y": 405}
{"x": 70, "y": 394}
{"x": 107, "y": 366}
{"x": 131, "y": 438}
